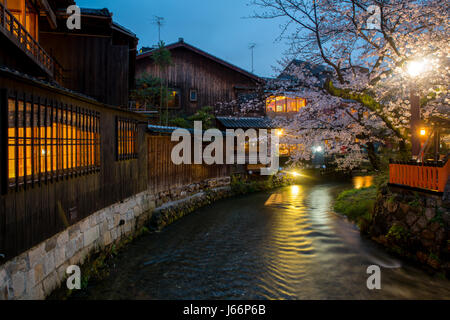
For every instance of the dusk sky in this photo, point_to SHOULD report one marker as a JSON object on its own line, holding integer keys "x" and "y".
{"x": 219, "y": 27}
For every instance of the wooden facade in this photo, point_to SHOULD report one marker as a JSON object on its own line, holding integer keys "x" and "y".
{"x": 98, "y": 60}
{"x": 19, "y": 35}
{"x": 46, "y": 200}
{"x": 69, "y": 146}
{"x": 164, "y": 175}
{"x": 198, "y": 78}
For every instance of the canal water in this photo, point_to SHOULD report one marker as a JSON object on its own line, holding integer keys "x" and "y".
{"x": 285, "y": 244}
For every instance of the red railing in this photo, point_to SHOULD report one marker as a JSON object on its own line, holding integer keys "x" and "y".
{"x": 15, "y": 31}
{"x": 430, "y": 176}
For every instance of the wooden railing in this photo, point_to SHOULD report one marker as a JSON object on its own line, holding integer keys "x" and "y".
{"x": 15, "y": 31}
{"x": 430, "y": 176}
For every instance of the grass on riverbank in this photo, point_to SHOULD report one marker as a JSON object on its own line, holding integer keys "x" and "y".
{"x": 358, "y": 204}
{"x": 245, "y": 185}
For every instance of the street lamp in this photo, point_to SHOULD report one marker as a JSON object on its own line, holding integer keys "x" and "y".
{"x": 279, "y": 132}
{"x": 414, "y": 69}
{"x": 319, "y": 149}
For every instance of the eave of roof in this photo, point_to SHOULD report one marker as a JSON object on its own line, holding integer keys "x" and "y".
{"x": 124, "y": 30}
{"x": 182, "y": 44}
{"x": 245, "y": 122}
{"x": 168, "y": 130}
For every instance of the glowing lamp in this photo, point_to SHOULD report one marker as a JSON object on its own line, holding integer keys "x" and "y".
{"x": 415, "y": 68}
{"x": 295, "y": 173}
{"x": 279, "y": 132}
{"x": 423, "y": 132}
{"x": 317, "y": 149}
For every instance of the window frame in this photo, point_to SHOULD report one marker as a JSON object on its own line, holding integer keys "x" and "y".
{"x": 45, "y": 129}
{"x": 130, "y": 146}
{"x": 195, "y": 92}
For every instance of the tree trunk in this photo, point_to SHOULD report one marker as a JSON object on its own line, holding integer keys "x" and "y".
{"x": 373, "y": 157}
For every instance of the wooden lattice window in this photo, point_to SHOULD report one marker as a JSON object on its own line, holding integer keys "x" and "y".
{"x": 48, "y": 140}
{"x": 127, "y": 130}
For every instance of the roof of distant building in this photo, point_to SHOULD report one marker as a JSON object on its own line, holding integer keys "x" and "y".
{"x": 321, "y": 72}
{"x": 147, "y": 51}
{"x": 245, "y": 122}
{"x": 168, "y": 129}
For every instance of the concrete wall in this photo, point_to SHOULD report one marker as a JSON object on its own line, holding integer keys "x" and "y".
{"x": 38, "y": 271}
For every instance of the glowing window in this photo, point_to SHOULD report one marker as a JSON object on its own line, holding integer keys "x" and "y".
{"x": 174, "y": 99}
{"x": 45, "y": 142}
{"x": 284, "y": 104}
{"x": 126, "y": 139}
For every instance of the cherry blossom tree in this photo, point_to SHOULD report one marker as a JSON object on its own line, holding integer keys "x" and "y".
{"x": 377, "y": 53}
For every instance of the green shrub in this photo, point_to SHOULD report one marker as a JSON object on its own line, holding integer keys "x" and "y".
{"x": 356, "y": 204}
{"x": 397, "y": 232}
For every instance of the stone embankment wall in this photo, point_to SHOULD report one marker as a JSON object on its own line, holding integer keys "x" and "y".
{"x": 413, "y": 224}
{"x": 37, "y": 272}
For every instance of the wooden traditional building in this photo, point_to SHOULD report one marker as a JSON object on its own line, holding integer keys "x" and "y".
{"x": 197, "y": 79}
{"x": 98, "y": 60}
{"x": 68, "y": 145}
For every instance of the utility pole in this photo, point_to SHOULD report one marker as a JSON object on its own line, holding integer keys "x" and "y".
{"x": 252, "y": 47}
{"x": 159, "y": 21}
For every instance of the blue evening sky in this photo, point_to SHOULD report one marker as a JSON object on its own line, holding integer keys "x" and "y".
{"x": 219, "y": 27}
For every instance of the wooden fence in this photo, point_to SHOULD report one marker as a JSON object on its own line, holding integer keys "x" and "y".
{"x": 164, "y": 175}
{"x": 427, "y": 176}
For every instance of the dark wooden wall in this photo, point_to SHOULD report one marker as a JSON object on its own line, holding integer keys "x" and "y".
{"x": 15, "y": 58}
{"x": 92, "y": 66}
{"x": 214, "y": 82}
{"x": 164, "y": 175}
{"x": 30, "y": 214}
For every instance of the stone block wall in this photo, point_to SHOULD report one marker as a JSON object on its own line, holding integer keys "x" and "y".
{"x": 413, "y": 224}
{"x": 37, "y": 272}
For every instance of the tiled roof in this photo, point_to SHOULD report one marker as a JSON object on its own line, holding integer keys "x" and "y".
{"x": 95, "y": 12}
{"x": 245, "y": 122}
{"x": 124, "y": 30}
{"x": 321, "y": 72}
{"x": 168, "y": 130}
{"x": 162, "y": 129}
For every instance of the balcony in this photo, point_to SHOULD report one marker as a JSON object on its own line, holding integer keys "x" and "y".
{"x": 17, "y": 33}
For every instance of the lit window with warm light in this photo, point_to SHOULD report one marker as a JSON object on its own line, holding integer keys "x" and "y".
{"x": 48, "y": 141}
{"x": 284, "y": 104}
{"x": 126, "y": 139}
{"x": 26, "y": 13}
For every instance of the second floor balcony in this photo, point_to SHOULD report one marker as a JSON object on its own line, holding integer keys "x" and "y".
{"x": 19, "y": 24}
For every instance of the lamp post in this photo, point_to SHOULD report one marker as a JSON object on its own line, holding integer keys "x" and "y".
{"x": 414, "y": 69}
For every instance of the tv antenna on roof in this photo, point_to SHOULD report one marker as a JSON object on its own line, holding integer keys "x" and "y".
{"x": 252, "y": 48}
{"x": 159, "y": 21}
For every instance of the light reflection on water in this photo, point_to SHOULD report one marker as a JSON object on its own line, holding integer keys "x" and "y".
{"x": 360, "y": 182}
{"x": 287, "y": 244}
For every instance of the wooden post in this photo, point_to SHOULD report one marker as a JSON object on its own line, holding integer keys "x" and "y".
{"x": 414, "y": 123}
{"x": 3, "y": 142}
{"x": 436, "y": 143}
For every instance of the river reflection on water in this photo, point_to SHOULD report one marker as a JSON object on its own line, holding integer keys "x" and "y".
{"x": 285, "y": 244}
